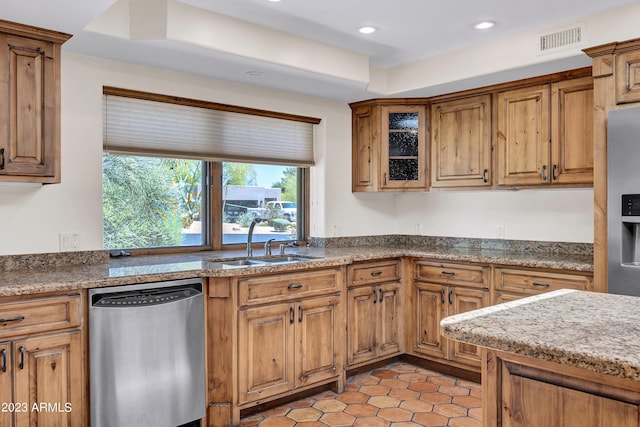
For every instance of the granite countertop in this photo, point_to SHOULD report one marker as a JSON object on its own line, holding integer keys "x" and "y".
{"x": 143, "y": 269}
{"x": 595, "y": 331}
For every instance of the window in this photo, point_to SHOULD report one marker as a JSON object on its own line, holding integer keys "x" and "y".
{"x": 188, "y": 173}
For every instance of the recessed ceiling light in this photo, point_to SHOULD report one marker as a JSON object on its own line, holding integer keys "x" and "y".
{"x": 274, "y": 0}
{"x": 484, "y": 25}
{"x": 367, "y": 29}
{"x": 254, "y": 73}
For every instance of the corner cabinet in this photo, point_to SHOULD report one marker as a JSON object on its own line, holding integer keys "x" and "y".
{"x": 30, "y": 105}
{"x": 389, "y": 147}
{"x": 545, "y": 134}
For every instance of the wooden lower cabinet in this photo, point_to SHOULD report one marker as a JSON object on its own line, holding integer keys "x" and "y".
{"x": 520, "y": 391}
{"x": 373, "y": 322}
{"x": 432, "y": 303}
{"x": 285, "y": 346}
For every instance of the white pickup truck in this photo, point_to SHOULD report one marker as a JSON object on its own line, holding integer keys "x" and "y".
{"x": 276, "y": 209}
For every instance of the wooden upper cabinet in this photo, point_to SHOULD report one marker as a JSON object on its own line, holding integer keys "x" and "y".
{"x": 627, "y": 77}
{"x": 460, "y": 143}
{"x": 572, "y": 131}
{"x": 30, "y": 106}
{"x": 403, "y": 162}
{"x": 365, "y": 158}
{"x": 523, "y": 136}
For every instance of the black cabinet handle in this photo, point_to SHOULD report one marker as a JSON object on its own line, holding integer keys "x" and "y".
{"x": 385, "y": 178}
{"x": 376, "y": 273}
{"x": 485, "y": 176}
{"x": 299, "y": 314}
{"x": 295, "y": 286}
{"x": 450, "y": 293}
{"x": 442, "y": 296}
{"x": 375, "y": 296}
{"x": 554, "y": 172}
{"x": 1, "y": 158}
{"x": 380, "y": 295}
{"x": 13, "y": 319}
{"x": 449, "y": 273}
{"x": 544, "y": 173}
{"x": 542, "y": 285}
{"x": 21, "y": 349}
{"x": 291, "y": 315}
{"x": 4, "y": 359}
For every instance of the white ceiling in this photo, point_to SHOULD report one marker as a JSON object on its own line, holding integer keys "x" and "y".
{"x": 312, "y": 38}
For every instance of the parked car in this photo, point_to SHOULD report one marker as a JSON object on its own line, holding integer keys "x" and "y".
{"x": 282, "y": 209}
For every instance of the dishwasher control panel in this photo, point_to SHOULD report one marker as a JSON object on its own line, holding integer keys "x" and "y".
{"x": 145, "y": 297}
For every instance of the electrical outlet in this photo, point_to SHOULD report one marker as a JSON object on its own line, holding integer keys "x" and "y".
{"x": 69, "y": 242}
{"x": 500, "y": 231}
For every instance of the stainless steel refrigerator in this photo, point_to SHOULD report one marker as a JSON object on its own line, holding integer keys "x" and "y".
{"x": 623, "y": 201}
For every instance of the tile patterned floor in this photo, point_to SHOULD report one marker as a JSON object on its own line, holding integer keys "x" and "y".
{"x": 398, "y": 395}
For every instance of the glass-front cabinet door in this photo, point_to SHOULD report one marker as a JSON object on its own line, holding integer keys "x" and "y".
{"x": 403, "y": 151}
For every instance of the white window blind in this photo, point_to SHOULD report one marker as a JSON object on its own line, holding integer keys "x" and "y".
{"x": 140, "y": 126}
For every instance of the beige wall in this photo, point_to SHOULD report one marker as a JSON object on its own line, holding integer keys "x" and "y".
{"x": 32, "y": 217}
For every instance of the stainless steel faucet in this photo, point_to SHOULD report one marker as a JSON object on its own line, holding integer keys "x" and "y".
{"x": 250, "y": 236}
{"x": 267, "y": 247}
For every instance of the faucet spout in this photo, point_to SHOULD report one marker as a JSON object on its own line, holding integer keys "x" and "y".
{"x": 250, "y": 236}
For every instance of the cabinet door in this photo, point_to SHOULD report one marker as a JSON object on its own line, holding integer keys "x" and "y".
{"x": 6, "y": 391}
{"x": 316, "y": 330}
{"x": 364, "y": 144}
{"x": 460, "y": 143}
{"x": 462, "y": 300}
{"x": 572, "y": 127}
{"x": 48, "y": 374}
{"x": 389, "y": 319}
{"x": 429, "y": 303}
{"x": 403, "y": 151}
{"x": 362, "y": 307}
{"x": 265, "y": 351}
{"x": 627, "y": 77}
{"x": 27, "y": 135}
{"x": 523, "y": 136}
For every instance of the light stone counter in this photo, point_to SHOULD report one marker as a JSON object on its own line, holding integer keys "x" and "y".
{"x": 594, "y": 331}
{"x": 20, "y": 278}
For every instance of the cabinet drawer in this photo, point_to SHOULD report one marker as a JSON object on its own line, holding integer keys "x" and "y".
{"x": 374, "y": 272}
{"x": 452, "y": 274}
{"x": 288, "y": 286}
{"x": 534, "y": 282}
{"x": 39, "y": 315}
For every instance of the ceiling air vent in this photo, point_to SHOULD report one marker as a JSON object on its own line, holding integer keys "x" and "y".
{"x": 560, "y": 39}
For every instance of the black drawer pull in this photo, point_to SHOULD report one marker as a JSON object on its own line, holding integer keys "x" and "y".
{"x": 485, "y": 176}
{"x": 375, "y": 296}
{"x": 21, "y": 349}
{"x": 376, "y": 273}
{"x": 295, "y": 286}
{"x": 292, "y": 315}
{"x": 449, "y": 273}
{"x": 299, "y": 314}
{"x": 442, "y": 296}
{"x": 13, "y": 319}
{"x": 450, "y": 293}
{"x": 380, "y": 295}
{"x": 4, "y": 359}
{"x": 542, "y": 285}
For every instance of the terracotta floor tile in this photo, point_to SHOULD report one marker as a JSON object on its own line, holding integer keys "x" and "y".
{"x": 330, "y": 405}
{"x": 449, "y": 410}
{"x": 371, "y": 422}
{"x": 423, "y": 387}
{"x": 464, "y": 422}
{"x": 430, "y": 419}
{"x": 404, "y": 394}
{"x": 467, "y": 401}
{"x": 415, "y": 405}
{"x": 375, "y": 390}
{"x": 397, "y": 395}
{"x": 362, "y": 410}
{"x": 385, "y": 374}
{"x": 435, "y": 398}
{"x": 338, "y": 419}
{"x": 277, "y": 422}
{"x": 395, "y": 414}
{"x": 352, "y": 397}
{"x": 305, "y": 414}
{"x": 384, "y": 402}
{"x": 454, "y": 390}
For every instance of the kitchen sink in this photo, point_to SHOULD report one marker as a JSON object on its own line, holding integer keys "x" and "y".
{"x": 256, "y": 262}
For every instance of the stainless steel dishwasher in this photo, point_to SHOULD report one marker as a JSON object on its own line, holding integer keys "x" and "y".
{"x": 146, "y": 349}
